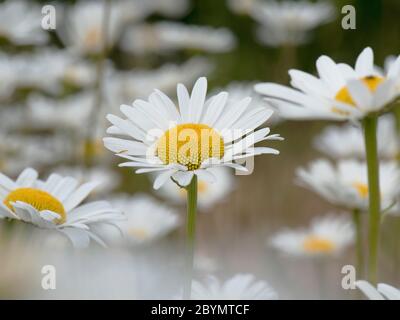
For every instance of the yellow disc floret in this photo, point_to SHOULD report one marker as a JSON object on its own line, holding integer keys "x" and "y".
{"x": 38, "y": 199}
{"x": 316, "y": 244}
{"x": 190, "y": 145}
{"x": 362, "y": 189}
{"x": 372, "y": 83}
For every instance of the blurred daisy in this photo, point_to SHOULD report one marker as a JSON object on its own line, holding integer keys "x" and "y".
{"x": 382, "y": 292}
{"x": 347, "y": 141}
{"x": 54, "y": 204}
{"x": 341, "y": 92}
{"x": 20, "y": 23}
{"x": 289, "y": 22}
{"x": 326, "y": 236}
{"x": 170, "y": 36}
{"x": 181, "y": 144}
{"x": 208, "y": 193}
{"x": 241, "y": 6}
{"x": 147, "y": 219}
{"x": 346, "y": 184}
{"x": 239, "y": 287}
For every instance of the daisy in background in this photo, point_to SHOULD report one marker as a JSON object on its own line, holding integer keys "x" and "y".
{"x": 241, "y": 6}
{"x": 164, "y": 37}
{"x": 381, "y": 292}
{"x": 289, "y": 22}
{"x": 55, "y": 204}
{"x": 343, "y": 142}
{"x": 327, "y": 236}
{"x": 346, "y": 183}
{"x": 239, "y": 287}
{"x": 147, "y": 220}
{"x": 208, "y": 193}
{"x": 20, "y": 23}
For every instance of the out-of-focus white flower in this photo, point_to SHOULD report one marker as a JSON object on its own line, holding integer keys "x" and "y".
{"x": 20, "y": 23}
{"x": 8, "y": 76}
{"x": 289, "y": 22}
{"x": 326, "y": 236}
{"x": 163, "y": 37}
{"x": 341, "y": 92}
{"x": 346, "y": 184}
{"x": 382, "y": 292}
{"x": 129, "y": 85}
{"x": 238, "y": 287}
{"x": 208, "y": 193}
{"x": 147, "y": 219}
{"x": 241, "y": 6}
{"x": 218, "y": 134}
{"x": 343, "y": 142}
{"x": 54, "y": 204}
{"x": 205, "y": 264}
{"x": 72, "y": 112}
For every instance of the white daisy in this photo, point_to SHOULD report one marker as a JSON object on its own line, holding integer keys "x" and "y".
{"x": 382, "y": 292}
{"x": 164, "y": 37}
{"x": 241, "y": 6}
{"x": 20, "y": 23}
{"x": 239, "y": 287}
{"x": 55, "y": 204}
{"x": 147, "y": 219}
{"x": 341, "y": 92}
{"x": 326, "y": 236}
{"x": 346, "y": 184}
{"x": 208, "y": 193}
{"x": 187, "y": 142}
{"x": 289, "y": 22}
{"x": 342, "y": 142}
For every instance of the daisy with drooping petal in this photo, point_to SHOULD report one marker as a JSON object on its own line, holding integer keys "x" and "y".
{"x": 55, "y": 204}
{"x": 382, "y": 292}
{"x": 239, "y": 287}
{"x": 327, "y": 236}
{"x": 344, "y": 142}
{"x": 208, "y": 193}
{"x": 147, "y": 220}
{"x": 346, "y": 184}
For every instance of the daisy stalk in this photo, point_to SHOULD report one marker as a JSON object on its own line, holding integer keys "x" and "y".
{"x": 371, "y": 148}
{"x": 359, "y": 242}
{"x": 191, "y": 236}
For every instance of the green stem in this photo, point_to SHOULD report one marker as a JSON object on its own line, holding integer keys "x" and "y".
{"x": 370, "y": 126}
{"x": 359, "y": 243}
{"x": 191, "y": 233}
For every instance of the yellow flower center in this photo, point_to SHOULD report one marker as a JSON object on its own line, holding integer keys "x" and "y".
{"x": 38, "y": 199}
{"x": 138, "y": 233}
{"x": 361, "y": 188}
{"x": 190, "y": 145}
{"x": 93, "y": 37}
{"x": 372, "y": 83}
{"x": 316, "y": 244}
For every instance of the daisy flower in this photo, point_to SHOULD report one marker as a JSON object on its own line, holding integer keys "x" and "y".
{"x": 340, "y": 142}
{"x": 171, "y": 36}
{"x": 326, "y": 236}
{"x": 382, "y": 292}
{"x": 208, "y": 193}
{"x": 346, "y": 184}
{"x": 340, "y": 93}
{"x": 241, "y": 6}
{"x": 55, "y": 204}
{"x": 179, "y": 144}
{"x": 289, "y": 22}
{"x": 147, "y": 219}
{"x": 20, "y": 23}
{"x": 239, "y": 287}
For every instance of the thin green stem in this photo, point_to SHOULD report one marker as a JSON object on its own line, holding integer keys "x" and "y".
{"x": 359, "y": 243}
{"x": 191, "y": 234}
{"x": 370, "y": 126}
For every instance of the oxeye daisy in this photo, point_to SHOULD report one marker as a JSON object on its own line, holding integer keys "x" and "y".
{"x": 185, "y": 143}
{"x": 381, "y": 292}
{"x": 239, "y": 287}
{"x": 326, "y": 236}
{"x": 55, "y": 204}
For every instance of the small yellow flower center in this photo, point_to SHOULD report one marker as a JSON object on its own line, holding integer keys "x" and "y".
{"x": 92, "y": 37}
{"x": 190, "y": 145}
{"x": 316, "y": 244}
{"x": 38, "y": 199}
{"x": 372, "y": 83}
{"x": 361, "y": 188}
{"x": 138, "y": 233}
